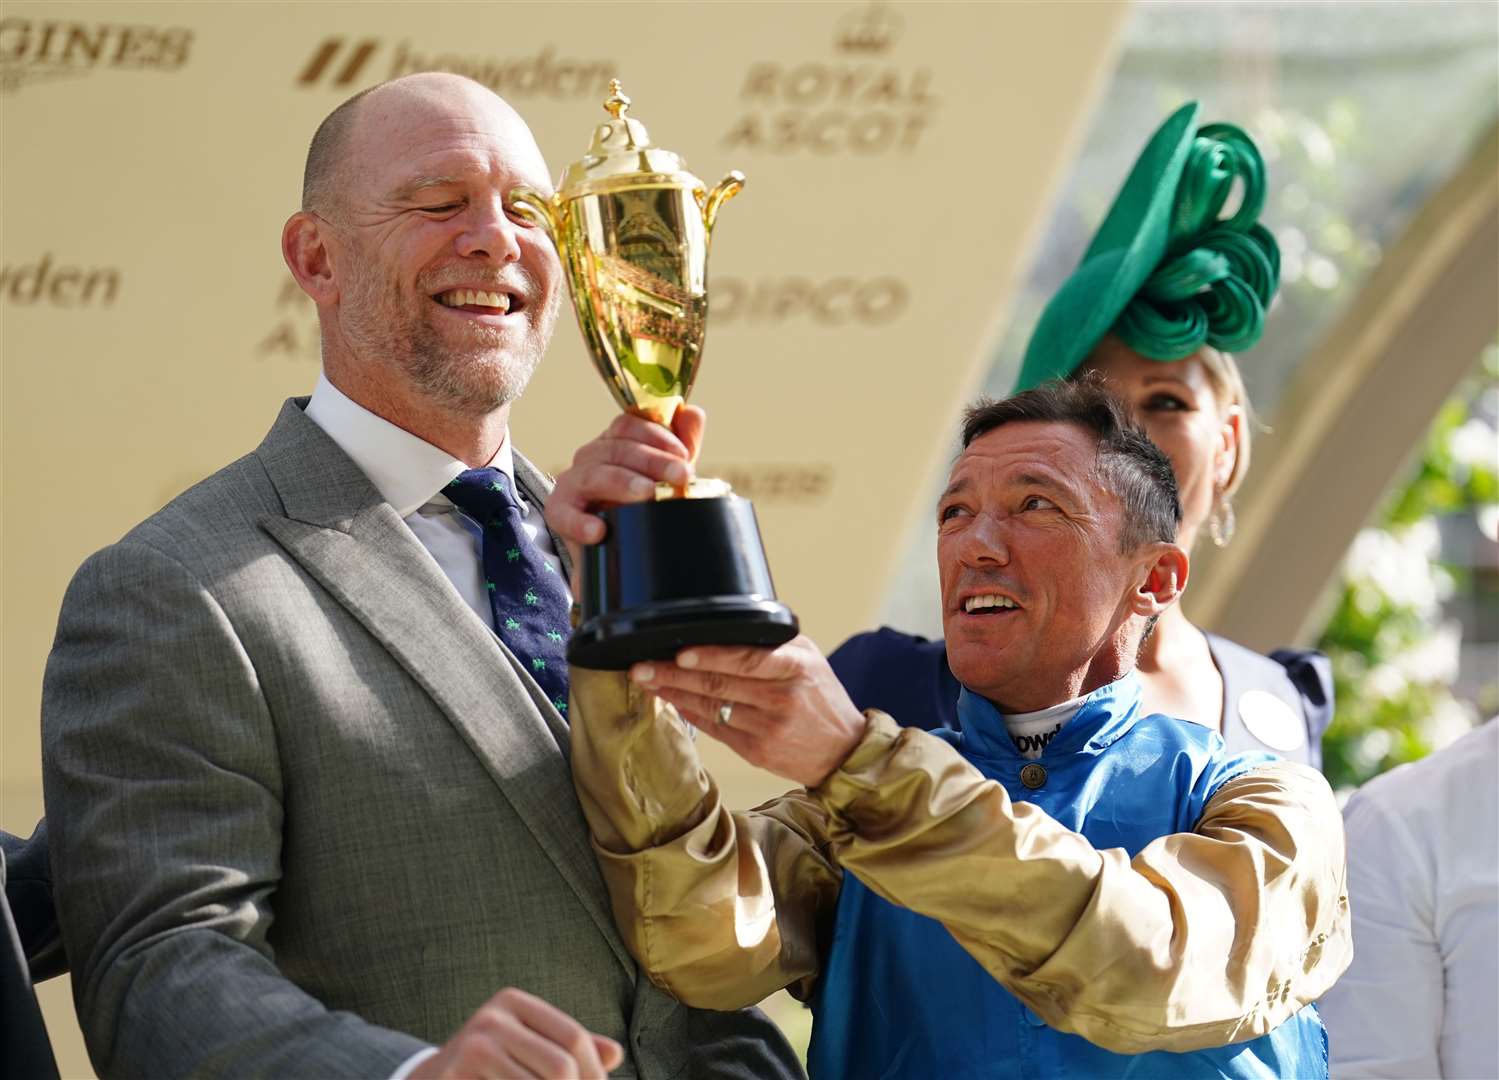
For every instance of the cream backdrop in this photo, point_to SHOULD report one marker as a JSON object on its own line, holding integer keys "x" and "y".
{"x": 900, "y": 159}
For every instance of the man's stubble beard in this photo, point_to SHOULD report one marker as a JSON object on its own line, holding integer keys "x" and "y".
{"x": 482, "y": 376}
{"x": 472, "y": 379}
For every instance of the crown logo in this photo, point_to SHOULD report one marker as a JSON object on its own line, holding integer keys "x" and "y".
{"x": 869, "y": 31}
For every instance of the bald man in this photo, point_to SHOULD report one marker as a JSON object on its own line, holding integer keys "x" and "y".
{"x": 304, "y": 727}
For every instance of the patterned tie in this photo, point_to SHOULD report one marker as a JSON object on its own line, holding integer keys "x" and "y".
{"x": 529, "y": 601}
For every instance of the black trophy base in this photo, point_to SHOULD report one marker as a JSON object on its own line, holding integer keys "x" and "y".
{"x": 674, "y": 573}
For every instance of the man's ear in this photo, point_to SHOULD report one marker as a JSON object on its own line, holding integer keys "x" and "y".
{"x": 305, "y": 249}
{"x": 1164, "y": 579}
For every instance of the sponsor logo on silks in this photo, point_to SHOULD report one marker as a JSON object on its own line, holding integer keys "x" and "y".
{"x": 345, "y": 63}
{"x": 1027, "y": 744}
{"x": 38, "y": 50}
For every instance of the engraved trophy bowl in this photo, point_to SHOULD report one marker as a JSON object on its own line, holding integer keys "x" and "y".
{"x": 632, "y": 227}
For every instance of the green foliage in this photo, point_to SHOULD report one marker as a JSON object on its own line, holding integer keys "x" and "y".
{"x": 1393, "y": 653}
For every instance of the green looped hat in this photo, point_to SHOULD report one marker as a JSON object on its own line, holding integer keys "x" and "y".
{"x": 1164, "y": 271}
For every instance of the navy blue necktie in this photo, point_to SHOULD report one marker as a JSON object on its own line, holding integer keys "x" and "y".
{"x": 530, "y": 603}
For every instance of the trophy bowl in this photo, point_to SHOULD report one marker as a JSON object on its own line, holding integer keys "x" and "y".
{"x": 632, "y": 227}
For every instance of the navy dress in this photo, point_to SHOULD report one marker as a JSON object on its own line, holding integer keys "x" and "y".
{"x": 1281, "y": 703}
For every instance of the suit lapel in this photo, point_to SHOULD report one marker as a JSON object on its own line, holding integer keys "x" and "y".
{"x": 351, "y": 541}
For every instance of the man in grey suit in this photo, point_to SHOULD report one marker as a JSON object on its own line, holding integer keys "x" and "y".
{"x": 309, "y": 811}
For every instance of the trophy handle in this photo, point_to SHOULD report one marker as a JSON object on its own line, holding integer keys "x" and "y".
{"x": 538, "y": 209}
{"x": 725, "y": 190}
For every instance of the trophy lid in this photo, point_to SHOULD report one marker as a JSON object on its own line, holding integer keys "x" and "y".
{"x": 621, "y": 150}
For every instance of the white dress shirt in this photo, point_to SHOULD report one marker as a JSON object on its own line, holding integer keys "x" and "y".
{"x": 410, "y": 473}
{"x": 1421, "y": 998}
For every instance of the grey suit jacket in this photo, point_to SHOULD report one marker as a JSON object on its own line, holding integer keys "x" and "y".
{"x": 307, "y": 812}
{"x": 27, "y": 937}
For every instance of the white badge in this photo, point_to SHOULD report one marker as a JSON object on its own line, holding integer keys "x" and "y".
{"x": 1272, "y": 721}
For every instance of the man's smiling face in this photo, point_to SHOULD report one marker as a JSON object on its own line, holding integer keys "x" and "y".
{"x": 437, "y": 282}
{"x": 1034, "y": 586}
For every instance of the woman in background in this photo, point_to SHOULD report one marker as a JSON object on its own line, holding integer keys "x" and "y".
{"x": 1168, "y": 290}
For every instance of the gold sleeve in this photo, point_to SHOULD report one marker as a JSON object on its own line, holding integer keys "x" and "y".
{"x": 720, "y": 909}
{"x": 1204, "y": 938}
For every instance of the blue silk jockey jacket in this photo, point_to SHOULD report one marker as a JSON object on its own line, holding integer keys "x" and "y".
{"x": 899, "y": 997}
{"x": 1142, "y": 904}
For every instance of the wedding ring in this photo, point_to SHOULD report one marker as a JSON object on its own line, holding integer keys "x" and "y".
{"x": 725, "y": 711}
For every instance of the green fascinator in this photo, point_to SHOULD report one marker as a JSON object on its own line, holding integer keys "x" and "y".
{"x": 1165, "y": 272}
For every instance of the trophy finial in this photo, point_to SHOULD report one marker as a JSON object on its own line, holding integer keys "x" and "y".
{"x": 617, "y": 104}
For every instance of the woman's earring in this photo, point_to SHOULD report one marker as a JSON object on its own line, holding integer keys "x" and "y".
{"x": 1221, "y": 520}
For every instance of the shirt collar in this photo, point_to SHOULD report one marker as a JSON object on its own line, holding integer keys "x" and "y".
{"x": 407, "y": 471}
{"x": 1104, "y": 717}
{"x": 1063, "y": 712}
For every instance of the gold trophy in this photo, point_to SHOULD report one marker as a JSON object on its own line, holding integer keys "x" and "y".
{"x": 632, "y": 227}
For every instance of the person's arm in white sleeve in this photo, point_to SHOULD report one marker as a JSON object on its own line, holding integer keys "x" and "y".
{"x": 1384, "y": 1016}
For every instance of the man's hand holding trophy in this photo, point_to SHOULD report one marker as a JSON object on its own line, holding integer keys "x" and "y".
{"x": 632, "y": 227}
